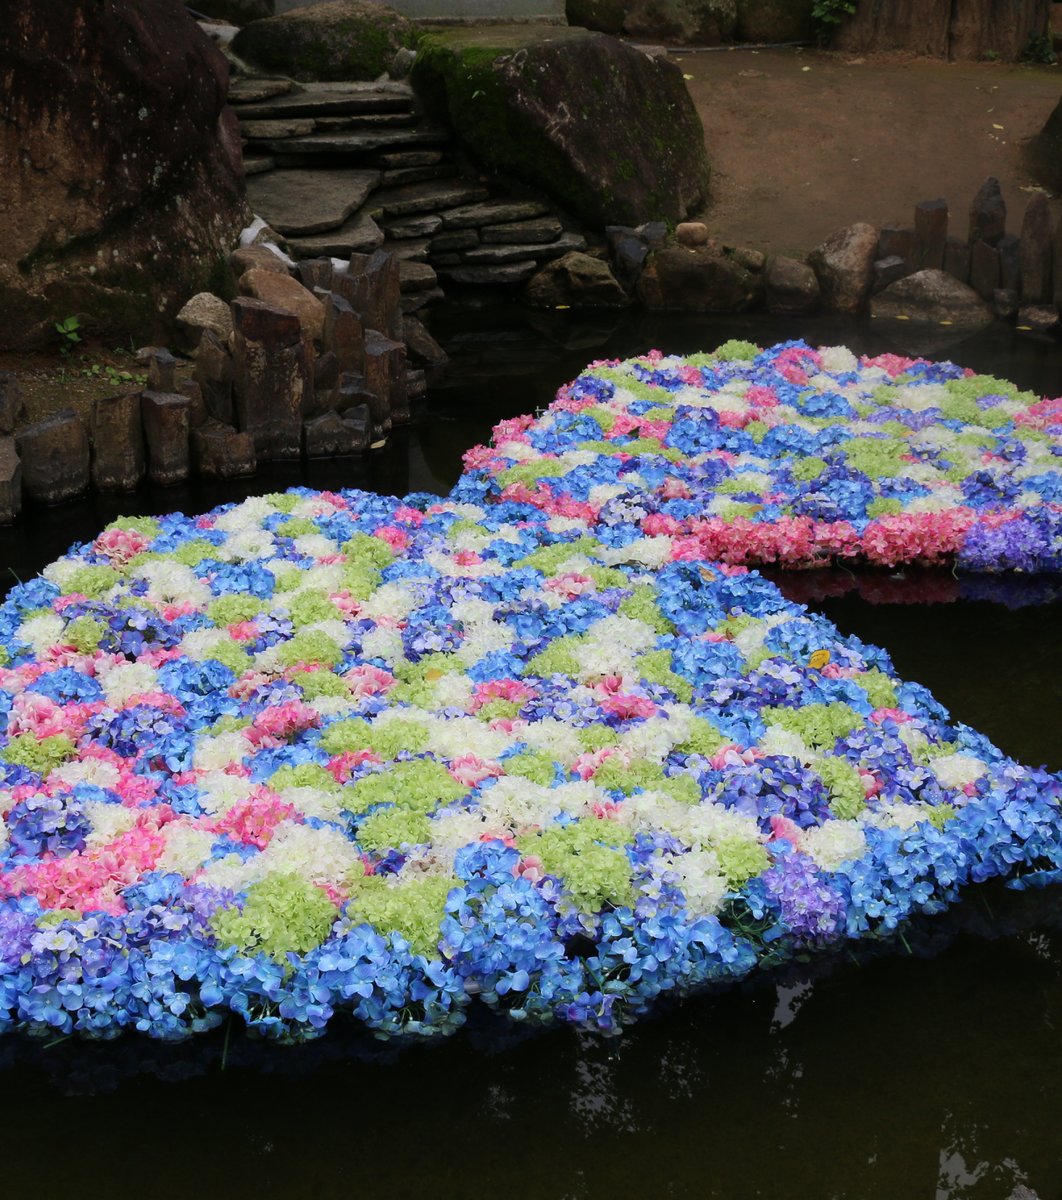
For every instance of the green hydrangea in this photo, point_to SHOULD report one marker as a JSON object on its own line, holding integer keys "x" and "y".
{"x": 309, "y": 646}
{"x": 558, "y": 658}
{"x": 880, "y": 689}
{"x": 876, "y": 457}
{"x": 283, "y": 914}
{"x": 310, "y": 606}
{"x": 234, "y": 608}
{"x": 304, "y": 775}
{"x": 603, "y": 416}
{"x": 527, "y": 472}
{"x": 593, "y": 873}
{"x": 615, "y": 775}
{"x": 683, "y": 788}
{"x": 393, "y": 827}
{"x": 606, "y": 577}
{"x": 634, "y": 387}
{"x": 741, "y": 859}
{"x": 42, "y": 756}
{"x": 939, "y": 815}
{"x": 229, "y": 723}
{"x": 295, "y": 527}
{"x": 819, "y": 725}
{"x": 548, "y": 559}
{"x": 230, "y": 654}
{"x": 884, "y": 506}
{"x": 703, "y": 738}
{"x": 498, "y": 709}
{"x": 805, "y": 469}
{"x": 148, "y": 526}
{"x": 84, "y": 634}
{"x": 641, "y": 605}
{"x": 416, "y": 785}
{"x": 368, "y": 550}
{"x": 596, "y": 737}
{"x": 736, "y": 350}
{"x": 94, "y": 582}
{"x": 320, "y": 683}
{"x": 842, "y": 780}
{"x": 282, "y": 501}
{"x": 385, "y": 739}
{"x": 655, "y": 667}
{"x": 414, "y": 908}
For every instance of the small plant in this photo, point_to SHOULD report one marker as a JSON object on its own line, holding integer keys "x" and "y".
{"x": 111, "y": 374}
{"x": 1039, "y": 49}
{"x": 69, "y": 337}
{"x": 831, "y": 12}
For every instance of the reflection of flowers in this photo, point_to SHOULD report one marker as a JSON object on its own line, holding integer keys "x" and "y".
{"x": 330, "y": 752}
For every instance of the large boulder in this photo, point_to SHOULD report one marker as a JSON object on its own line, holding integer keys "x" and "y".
{"x": 695, "y": 22}
{"x": 122, "y": 186}
{"x": 959, "y": 29}
{"x": 608, "y": 131}
{"x": 337, "y": 40}
{"x": 844, "y": 264}
{"x": 1044, "y": 152}
{"x": 775, "y": 20}
{"x": 932, "y": 297}
{"x": 698, "y": 279}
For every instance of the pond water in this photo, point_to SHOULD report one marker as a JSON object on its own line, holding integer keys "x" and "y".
{"x": 932, "y": 1072}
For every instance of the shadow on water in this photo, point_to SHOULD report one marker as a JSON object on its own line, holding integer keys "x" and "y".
{"x": 924, "y": 1077}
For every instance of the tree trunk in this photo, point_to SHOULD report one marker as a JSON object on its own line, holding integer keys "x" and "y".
{"x": 967, "y": 29}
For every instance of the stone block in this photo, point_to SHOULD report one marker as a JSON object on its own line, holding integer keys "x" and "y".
{"x": 55, "y": 458}
{"x": 844, "y": 265}
{"x": 1038, "y": 318}
{"x": 221, "y": 452}
{"x": 931, "y": 231}
{"x": 166, "y": 435}
{"x": 896, "y": 241}
{"x": 353, "y": 393}
{"x": 385, "y": 378}
{"x": 315, "y": 273}
{"x": 197, "y": 413}
{"x": 273, "y": 376}
{"x": 540, "y": 230}
{"x": 988, "y": 213}
{"x": 886, "y": 271}
{"x": 282, "y": 291}
{"x": 1036, "y": 251}
{"x": 423, "y": 349}
{"x": 117, "y": 443}
{"x": 331, "y": 435}
{"x": 957, "y": 258}
{"x": 691, "y": 233}
{"x": 325, "y": 383}
{"x": 458, "y": 239}
{"x": 10, "y": 481}
{"x": 204, "y": 311}
{"x": 1009, "y": 247}
{"x": 214, "y": 375}
{"x": 162, "y": 370}
{"x": 372, "y": 287}
{"x": 790, "y": 287}
{"x": 249, "y": 258}
{"x": 344, "y": 335}
{"x": 1005, "y": 302}
{"x": 984, "y": 269}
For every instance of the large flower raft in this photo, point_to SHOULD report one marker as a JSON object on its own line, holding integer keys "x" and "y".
{"x": 524, "y": 747}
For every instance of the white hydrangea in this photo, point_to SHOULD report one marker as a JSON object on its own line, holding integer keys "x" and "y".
{"x": 247, "y": 544}
{"x": 94, "y": 771}
{"x": 838, "y": 360}
{"x": 918, "y": 397}
{"x": 957, "y": 770}
{"x": 187, "y": 848}
{"x": 42, "y": 632}
{"x": 555, "y": 738}
{"x": 702, "y": 882}
{"x": 201, "y": 644}
{"x": 219, "y": 791}
{"x": 314, "y": 802}
{"x": 61, "y": 572}
{"x": 834, "y": 843}
{"x": 784, "y": 743}
{"x": 389, "y": 600}
{"x": 120, "y": 680}
{"x": 466, "y": 735}
{"x": 385, "y": 644}
{"x": 649, "y": 551}
{"x": 247, "y": 514}
{"x": 108, "y": 821}
{"x": 323, "y": 856}
{"x": 172, "y": 582}
{"x": 213, "y": 753}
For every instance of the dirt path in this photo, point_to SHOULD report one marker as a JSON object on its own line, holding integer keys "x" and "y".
{"x": 803, "y": 143}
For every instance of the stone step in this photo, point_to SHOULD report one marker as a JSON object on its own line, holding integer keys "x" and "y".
{"x": 494, "y": 212}
{"x": 415, "y": 276}
{"x": 414, "y": 301}
{"x": 250, "y": 90}
{"x": 348, "y": 143}
{"x": 358, "y": 233}
{"x": 403, "y": 175}
{"x": 506, "y": 273}
{"x": 400, "y": 159}
{"x": 426, "y": 198}
{"x": 306, "y": 202}
{"x": 257, "y": 131}
{"x": 365, "y": 121}
{"x": 322, "y": 100}
{"x": 532, "y": 250}
{"x": 258, "y": 164}
{"x": 540, "y": 229}
{"x": 416, "y": 226}
{"x": 411, "y": 250}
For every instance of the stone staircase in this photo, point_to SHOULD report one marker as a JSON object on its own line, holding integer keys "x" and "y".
{"x": 342, "y": 168}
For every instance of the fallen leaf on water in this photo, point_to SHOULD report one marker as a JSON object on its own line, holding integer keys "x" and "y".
{"x": 995, "y": 126}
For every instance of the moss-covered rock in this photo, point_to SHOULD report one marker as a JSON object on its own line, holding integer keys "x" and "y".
{"x": 775, "y": 20}
{"x": 694, "y": 22}
{"x": 610, "y": 133}
{"x": 337, "y": 40}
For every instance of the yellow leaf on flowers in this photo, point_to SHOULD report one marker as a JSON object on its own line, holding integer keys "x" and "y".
{"x": 819, "y": 659}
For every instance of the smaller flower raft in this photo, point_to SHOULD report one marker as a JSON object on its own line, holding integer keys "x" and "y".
{"x": 323, "y": 754}
{"x": 793, "y": 456}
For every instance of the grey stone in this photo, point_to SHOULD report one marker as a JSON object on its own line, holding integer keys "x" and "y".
{"x": 412, "y": 250}
{"x": 293, "y": 127}
{"x": 1039, "y": 318}
{"x": 422, "y": 348}
{"x": 314, "y": 100}
{"x": 290, "y": 151}
{"x": 162, "y": 370}
{"x": 55, "y": 458}
{"x": 402, "y": 63}
{"x": 493, "y": 212}
{"x": 413, "y": 302}
{"x": 445, "y": 260}
{"x": 197, "y": 413}
{"x": 10, "y": 482}
{"x": 117, "y": 443}
{"x": 204, "y": 311}
{"x": 315, "y": 274}
{"x": 329, "y": 436}
{"x": 844, "y": 265}
{"x": 578, "y": 280}
{"x": 931, "y": 231}
{"x": 541, "y": 230}
{"x": 405, "y": 175}
{"x": 506, "y": 253}
{"x": 932, "y": 297}
{"x": 691, "y": 233}
{"x": 10, "y": 400}
{"x": 358, "y": 235}
{"x": 366, "y": 123}
{"x": 896, "y": 241}
{"x": 790, "y": 287}
{"x": 699, "y": 280}
{"x": 221, "y": 452}
{"x": 751, "y": 260}
{"x": 460, "y": 239}
{"x": 1009, "y": 247}
{"x": 653, "y": 233}
{"x": 416, "y": 276}
{"x": 249, "y": 89}
{"x": 408, "y": 158}
{"x": 353, "y": 395}
{"x": 359, "y": 418}
{"x": 1036, "y": 251}
{"x": 504, "y": 273}
{"x": 629, "y": 253}
{"x": 166, "y": 435}
{"x": 273, "y": 370}
{"x": 214, "y": 374}
{"x": 886, "y": 271}
{"x": 1005, "y": 302}
{"x": 325, "y": 384}
{"x": 988, "y": 213}
{"x": 416, "y": 384}
{"x": 300, "y": 203}
{"x": 414, "y": 227}
{"x": 984, "y": 269}
{"x": 701, "y": 23}
{"x": 426, "y": 198}
{"x": 957, "y": 258}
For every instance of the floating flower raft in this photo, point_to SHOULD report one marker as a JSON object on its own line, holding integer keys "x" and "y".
{"x": 334, "y": 753}
{"x": 794, "y": 456}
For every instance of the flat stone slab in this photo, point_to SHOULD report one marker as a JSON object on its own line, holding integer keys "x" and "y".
{"x": 320, "y": 100}
{"x": 413, "y": 250}
{"x": 367, "y": 121}
{"x": 420, "y": 226}
{"x": 503, "y": 273}
{"x": 409, "y": 158}
{"x": 251, "y": 90}
{"x": 258, "y": 164}
{"x": 532, "y": 250}
{"x": 425, "y": 198}
{"x": 542, "y": 229}
{"x": 258, "y": 130}
{"x": 415, "y": 276}
{"x": 308, "y": 202}
{"x": 358, "y": 233}
{"x": 400, "y": 176}
{"x": 358, "y": 142}
{"x": 494, "y": 212}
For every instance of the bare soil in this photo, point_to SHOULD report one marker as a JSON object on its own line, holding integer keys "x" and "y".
{"x": 805, "y": 142}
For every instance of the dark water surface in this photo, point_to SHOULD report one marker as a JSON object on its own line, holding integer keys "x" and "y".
{"x": 919, "y": 1075}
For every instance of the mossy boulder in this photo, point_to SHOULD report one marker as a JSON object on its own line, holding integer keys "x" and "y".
{"x": 607, "y": 131}
{"x": 337, "y": 40}
{"x": 694, "y": 22}
{"x": 775, "y": 20}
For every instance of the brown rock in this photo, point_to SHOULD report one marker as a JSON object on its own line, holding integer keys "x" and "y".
{"x": 886, "y": 271}
{"x": 957, "y": 258}
{"x": 1005, "y": 303}
{"x": 344, "y": 334}
{"x": 281, "y": 291}
{"x": 385, "y": 378}
{"x": 931, "y": 232}
{"x": 691, "y": 233}
{"x": 578, "y": 280}
{"x": 55, "y": 458}
{"x": 896, "y": 241}
{"x": 325, "y": 383}
{"x": 942, "y": 28}
{"x": 10, "y": 401}
{"x": 220, "y": 452}
{"x": 162, "y": 370}
{"x": 214, "y": 374}
{"x": 197, "y": 413}
{"x": 315, "y": 274}
{"x": 1009, "y": 247}
{"x": 984, "y": 269}
{"x": 111, "y": 113}
{"x": 331, "y": 435}
{"x": 1038, "y": 318}
{"x": 932, "y": 296}
{"x": 844, "y": 264}
{"x": 1036, "y": 251}
{"x": 247, "y": 258}
{"x": 117, "y": 443}
{"x": 700, "y": 280}
{"x": 166, "y": 433}
{"x": 10, "y": 482}
{"x": 204, "y": 311}
{"x": 423, "y": 348}
{"x": 373, "y": 288}
{"x": 988, "y": 213}
{"x": 273, "y": 369}
{"x": 752, "y": 260}
{"x": 791, "y": 287}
